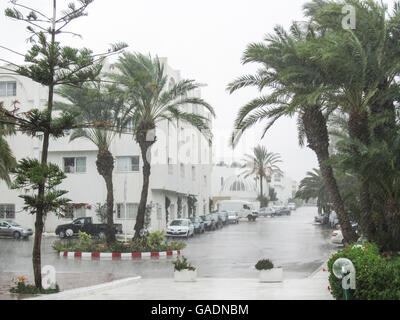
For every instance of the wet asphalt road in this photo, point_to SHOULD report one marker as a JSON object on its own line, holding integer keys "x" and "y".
{"x": 293, "y": 242}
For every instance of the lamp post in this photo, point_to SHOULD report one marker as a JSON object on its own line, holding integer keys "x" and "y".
{"x": 344, "y": 269}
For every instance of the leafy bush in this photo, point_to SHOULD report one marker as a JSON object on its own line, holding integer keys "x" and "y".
{"x": 154, "y": 242}
{"x": 182, "y": 264}
{"x": 156, "y": 239}
{"x": 264, "y": 264}
{"x": 377, "y": 278}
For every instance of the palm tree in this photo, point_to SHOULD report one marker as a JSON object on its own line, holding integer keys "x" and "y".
{"x": 146, "y": 86}
{"x": 297, "y": 87}
{"x": 262, "y": 164}
{"x": 313, "y": 187}
{"x": 360, "y": 64}
{"x": 104, "y": 107}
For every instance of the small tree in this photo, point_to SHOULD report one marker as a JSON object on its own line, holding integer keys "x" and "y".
{"x": 50, "y": 64}
{"x": 31, "y": 174}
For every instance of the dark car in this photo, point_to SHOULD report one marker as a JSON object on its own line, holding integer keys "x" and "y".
{"x": 209, "y": 222}
{"x": 198, "y": 224}
{"x": 218, "y": 220}
{"x": 286, "y": 211}
{"x": 224, "y": 217}
{"x": 85, "y": 225}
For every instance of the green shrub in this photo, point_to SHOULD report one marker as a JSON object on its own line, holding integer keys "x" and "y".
{"x": 264, "y": 264}
{"x": 377, "y": 278}
{"x": 21, "y": 287}
{"x": 182, "y": 264}
{"x": 155, "y": 242}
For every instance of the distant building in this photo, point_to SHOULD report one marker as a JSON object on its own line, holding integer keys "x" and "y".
{"x": 229, "y": 184}
{"x": 181, "y": 166}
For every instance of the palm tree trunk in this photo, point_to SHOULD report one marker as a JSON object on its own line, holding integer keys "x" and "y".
{"x": 358, "y": 129}
{"x": 141, "y": 138}
{"x": 318, "y": 140}
{"x": 261, "y": 186}
{"x": 105, "y": 167}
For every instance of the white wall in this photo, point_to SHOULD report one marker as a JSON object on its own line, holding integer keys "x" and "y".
{"x": 89, "y": 187}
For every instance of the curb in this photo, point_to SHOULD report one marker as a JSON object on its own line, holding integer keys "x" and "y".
{"x": 118, "y": 255}
{"x": 86, "y": 290}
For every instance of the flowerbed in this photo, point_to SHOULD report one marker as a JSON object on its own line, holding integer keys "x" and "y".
{"x": 21, "y": 287}
{"x": 155, "y": 242}
{"x": 377, "y": 276}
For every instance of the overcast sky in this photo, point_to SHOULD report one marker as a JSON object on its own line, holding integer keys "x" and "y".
{"x": 204, "y": 40}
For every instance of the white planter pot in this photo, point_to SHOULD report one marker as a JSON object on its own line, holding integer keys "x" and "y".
{"x": 185, "y": 275}
{"x": 271, "y": 275}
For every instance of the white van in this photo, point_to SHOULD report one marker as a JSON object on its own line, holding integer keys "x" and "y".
{"x": 244, "y": 209}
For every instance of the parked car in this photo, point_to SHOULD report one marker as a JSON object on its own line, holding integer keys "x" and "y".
{"x": 218, "y": 221}
{"x": 333, "y": 220}
{"x": 292, "y": 206}
{"x": 322, "y": 218}
{"x": 209, "y": 223}
{"x": 10, "y": 228}
{"x": 233, "y": 217}
{"x": 85, "y": 225}
{"x": 337, "y": 235}
{"x": 267, "y": 212}
{"x": 224, "y": 217}
{"x": 285, "y": 210}
{"x": 180, "y": 228}
{"x": 281, "y": 210}
{"x": 198, "y": 224}
{"x": 244, "y": 209}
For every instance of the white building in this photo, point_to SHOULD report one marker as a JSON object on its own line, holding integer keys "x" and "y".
{"x": 229, "y": 184}
{"x": 181, "y": 166}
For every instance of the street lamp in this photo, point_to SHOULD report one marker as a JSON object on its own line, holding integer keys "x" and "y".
{"x": 344, "y": 269}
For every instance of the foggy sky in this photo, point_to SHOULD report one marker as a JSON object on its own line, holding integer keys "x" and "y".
{"x": 203, "y": 39}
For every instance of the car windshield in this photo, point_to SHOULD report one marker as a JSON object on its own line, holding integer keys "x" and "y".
{"x": 12, "y": 223}
{"x": 179, "y": 223}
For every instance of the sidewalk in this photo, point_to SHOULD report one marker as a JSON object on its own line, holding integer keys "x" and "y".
{"x": 315, "y": 287}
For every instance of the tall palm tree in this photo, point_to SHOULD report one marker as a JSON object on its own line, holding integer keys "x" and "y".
{"x": 297, "y": 87}
{"x": 146, "y": 86}
{"x": 262, "y": 164}
{"x": 104, "y": 107}
{"x": 313, "y": 187}
{"x": 360, "y": 63}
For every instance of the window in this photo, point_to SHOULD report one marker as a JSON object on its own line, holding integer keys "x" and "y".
{"x": 170, "y": 166}
{"x": 125, "y": 164}
{"x": 7, "y": 211}
{"x": 8, "y": 88}
{"x": 182, "y": 167}
{"x": 193, "y": 173}
{"x": 72, "y": 211}
{"x": 72, "y": 165}
{"x": 131, "y": 210}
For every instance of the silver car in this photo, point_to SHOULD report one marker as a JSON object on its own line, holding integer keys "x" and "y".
{"x": 13, "y": 229}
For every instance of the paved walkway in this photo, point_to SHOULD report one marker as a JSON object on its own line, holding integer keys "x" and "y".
{"x": 315, "y": 287}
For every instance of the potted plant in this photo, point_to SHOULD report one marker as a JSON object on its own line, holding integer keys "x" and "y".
{"x": 267, "y": 272}
{"x": 184, "y": 271}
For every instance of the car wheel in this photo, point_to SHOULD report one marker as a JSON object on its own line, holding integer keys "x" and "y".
{"x": 69, "y": 232}
{"x": 16, "y": 235}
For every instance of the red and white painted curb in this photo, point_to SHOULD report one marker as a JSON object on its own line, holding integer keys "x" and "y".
{"x": 117, "y": 255}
